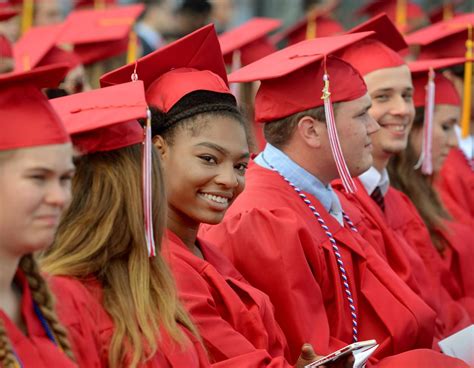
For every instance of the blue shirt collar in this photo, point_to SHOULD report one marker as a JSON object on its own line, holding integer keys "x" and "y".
{"x": 298, "y": 176}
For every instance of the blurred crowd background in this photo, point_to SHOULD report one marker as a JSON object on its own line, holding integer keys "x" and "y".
{"x": 175, "y": 17}
{"x": 156, "y": 23}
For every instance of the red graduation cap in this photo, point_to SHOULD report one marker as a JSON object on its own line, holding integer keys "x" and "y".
{"x": 379, "y": 53}
{"x": 451, "y": 38}
{"x": 401, "y": 12}
{"x": 432, "y": 89}
{"x": 311, "y": 26}
{"x": 100, "y": 34}
{"x": 28, "y": 118}
{"x": 293, "y": 79}
{"x": 191, "y": 63}
{"x": 249, "y": 39}
{"x": 104, "y": 119}
{"x": 37, "y": 48}
{"x": 443, "y": 39}
{"x": 446, "y": 93}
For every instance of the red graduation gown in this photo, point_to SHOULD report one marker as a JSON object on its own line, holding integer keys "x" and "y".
{"x": 235, "y": 320}
{"x": 455, "y": 185}
{"x": 458, "y": 255}
{"x": 34, "y": 349}
{"x": 404, "y": 258}
{"x": 169, "y": 355}
{"x": 403, "y": 217}
{"x": 275, "y": 241}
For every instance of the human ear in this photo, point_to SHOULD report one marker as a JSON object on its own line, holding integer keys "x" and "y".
{"x": 310, "y": 131}
{"x": 161, "y": 145}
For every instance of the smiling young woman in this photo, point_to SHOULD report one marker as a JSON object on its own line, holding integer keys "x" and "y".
{"x": 201, "y": 136}
{"x": 451, "y": 238}
{"x": 207, "y": 154}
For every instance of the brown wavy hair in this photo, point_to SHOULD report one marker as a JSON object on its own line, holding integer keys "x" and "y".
{"x": 102, "y": 235}
{"x": 419, "y": 187}
{"x": 43, "y": 297}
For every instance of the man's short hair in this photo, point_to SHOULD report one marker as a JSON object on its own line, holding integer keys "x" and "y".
{"x": 279, "y": 132}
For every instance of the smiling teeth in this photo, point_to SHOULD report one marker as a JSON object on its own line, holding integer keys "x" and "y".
{"x": 217, "y": 199}
{"x": 399, "y": 128}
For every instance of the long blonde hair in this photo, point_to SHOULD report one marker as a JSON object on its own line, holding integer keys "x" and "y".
{"x": 102, "y": 235}
{"x": 43, "y": 298}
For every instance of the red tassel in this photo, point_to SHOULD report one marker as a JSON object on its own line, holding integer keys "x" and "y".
{"x": 341, "y": 165}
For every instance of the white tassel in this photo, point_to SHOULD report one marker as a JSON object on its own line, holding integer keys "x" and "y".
{"x": 147, "y": 187}
{"x": 236, "y": 65}
{"x": 341, "y": 165}
{"x": 426, "y": 161}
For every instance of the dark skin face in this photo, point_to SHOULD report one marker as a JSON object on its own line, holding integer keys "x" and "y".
{"x": 204, "y": 173}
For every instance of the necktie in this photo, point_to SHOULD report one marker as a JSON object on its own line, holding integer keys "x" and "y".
{"x": 377, "y": 196}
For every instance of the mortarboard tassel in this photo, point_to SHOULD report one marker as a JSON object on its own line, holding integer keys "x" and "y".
{"x": 466, "y": 101}
{"x": 147, "y": 187}
{"x": 426, "y": 160}
{"x": 27, "y": 15}
{"x": 99, "y": 4}
{"x": 132, "y": 47}
{"x": 236, "y": 65}
{"x": 147, "y": 168}
{"x": 341, "y": 165}
{"x": 448, "y": 11}
{"x": 311, "y": 26}
{"x": 401, "y": 15}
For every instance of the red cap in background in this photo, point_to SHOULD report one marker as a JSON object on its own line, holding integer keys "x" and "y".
{"x": 104, "y": 119}
{"x": 250, "y": 39}
{"x": 28, "y": 119}
{"x": 189, "y": 64}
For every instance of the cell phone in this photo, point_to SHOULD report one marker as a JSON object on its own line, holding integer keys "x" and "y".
{"x": 360, "y": 345}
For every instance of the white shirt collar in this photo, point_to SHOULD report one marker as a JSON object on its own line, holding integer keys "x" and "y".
{"x": 465, "y": 144}
{"x": 372, "y": 179}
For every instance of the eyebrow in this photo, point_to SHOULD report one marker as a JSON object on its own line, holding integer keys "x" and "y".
{"x": 390, "y": 89}
{"x": 220, "y": 149}
{"x": 50, "y": 171}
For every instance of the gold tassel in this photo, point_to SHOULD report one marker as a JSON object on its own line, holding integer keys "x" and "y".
{"x": 311, "y": 26}
{"x": 448, "y": 11}
{"x": 132, "y": 48}
{"x": 99, "y": 4}
{"x": 27, "y": 15}
{"x": 401, "y": 15}
{"x": 466, "y": 101}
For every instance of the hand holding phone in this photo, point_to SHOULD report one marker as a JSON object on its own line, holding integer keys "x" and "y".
{"x": 356, "y": 348}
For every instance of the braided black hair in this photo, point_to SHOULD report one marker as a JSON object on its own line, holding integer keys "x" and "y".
{"x": 184, "y": 113}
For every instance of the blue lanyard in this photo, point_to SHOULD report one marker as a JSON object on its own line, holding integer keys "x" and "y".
{"x": 44, "y": 323}
{"x": 46, "y": 328}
